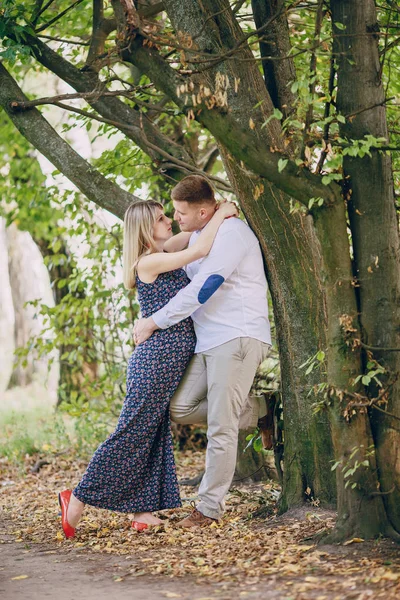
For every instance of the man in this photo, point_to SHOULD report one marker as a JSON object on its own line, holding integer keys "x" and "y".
{"x": 227, "y": 300}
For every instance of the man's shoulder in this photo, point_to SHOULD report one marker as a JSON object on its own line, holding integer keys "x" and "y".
{"x": 235, "y": 225}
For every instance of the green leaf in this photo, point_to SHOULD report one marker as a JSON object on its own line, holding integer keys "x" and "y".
{"x": 257, "y": 444}
{"x": 282, "y": 162}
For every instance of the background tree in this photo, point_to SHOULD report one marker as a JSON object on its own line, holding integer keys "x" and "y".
{"x": 291, "y": 141}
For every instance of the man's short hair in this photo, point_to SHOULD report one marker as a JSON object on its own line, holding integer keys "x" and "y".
{"x": 194, "y": 189}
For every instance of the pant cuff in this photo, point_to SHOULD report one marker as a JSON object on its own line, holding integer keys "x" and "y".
{"x": 208, "y": 512}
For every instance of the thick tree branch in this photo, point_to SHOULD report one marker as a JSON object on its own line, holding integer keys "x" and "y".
{"x": 244, "y": 143}
{"x": 139, "y": 130}
{"x": 34, "y": 127}
{"x": 313, "y": 70}
{"x": 93, "y": 96}
{"x": 101, "y": 29}
{"x": 185, "y": 167}
{"x": 277, "y": 75}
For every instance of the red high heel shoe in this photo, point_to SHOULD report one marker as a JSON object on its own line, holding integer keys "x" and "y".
{"x": 63, "y": 499}
{"x": 139, "y": 526}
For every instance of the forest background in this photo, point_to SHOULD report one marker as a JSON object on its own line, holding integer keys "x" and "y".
{"x": 290, "y": 107}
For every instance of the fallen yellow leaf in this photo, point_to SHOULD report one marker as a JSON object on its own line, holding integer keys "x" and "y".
{"x": 353, "y": 541}
{"x": 389, "y": 575}
{"x": 19, "y": 577}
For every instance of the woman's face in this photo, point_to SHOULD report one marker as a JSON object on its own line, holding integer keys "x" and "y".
{"x": 162, "y": 230}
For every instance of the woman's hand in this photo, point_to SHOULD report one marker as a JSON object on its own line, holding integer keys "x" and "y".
{"x": 228, "y": 209}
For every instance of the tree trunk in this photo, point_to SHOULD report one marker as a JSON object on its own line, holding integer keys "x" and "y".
{"x": 29, "y": 281}
{"x": 70, "y": 379}
{"x": 275, "y": 43}
{"x": 7, "y": 315}
{"x": 374, "y": 227}
{"x": 290, "y": 250}
{"x": 360, "y": 510}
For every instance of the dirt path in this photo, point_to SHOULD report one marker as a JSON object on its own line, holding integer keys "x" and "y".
{"x": 40, "y": 572}
{"x": 269, "y": 557}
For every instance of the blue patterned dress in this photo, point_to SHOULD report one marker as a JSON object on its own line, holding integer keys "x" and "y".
{"x": 134, "y": 469}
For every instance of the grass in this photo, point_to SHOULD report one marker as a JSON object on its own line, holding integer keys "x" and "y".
{"x": 30, "y": 425}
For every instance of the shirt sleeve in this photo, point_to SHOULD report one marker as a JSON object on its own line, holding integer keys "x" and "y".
{"x": 227, "y": 252}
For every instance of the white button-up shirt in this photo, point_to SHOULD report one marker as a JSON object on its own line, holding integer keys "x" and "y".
{"x": 227, "y": 295}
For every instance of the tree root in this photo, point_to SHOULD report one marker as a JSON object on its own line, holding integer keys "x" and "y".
{"x": 344, "y": 533}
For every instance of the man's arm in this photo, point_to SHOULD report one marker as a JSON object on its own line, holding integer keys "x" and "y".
{"x": 228, "y": 251}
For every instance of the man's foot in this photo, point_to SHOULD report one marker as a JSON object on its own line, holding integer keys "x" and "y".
{"x": 75, "y": 510}
{"x": 196, "y": 519}
{"x": 266, "y": 423}
{"x": 148, "y": 518}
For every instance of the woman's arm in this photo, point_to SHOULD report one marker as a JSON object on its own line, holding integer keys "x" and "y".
{"x": 150, "y": 266}
{"x": 178, "y": 242}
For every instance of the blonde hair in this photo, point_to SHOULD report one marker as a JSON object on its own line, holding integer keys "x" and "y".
{"x": 138, "y": 236}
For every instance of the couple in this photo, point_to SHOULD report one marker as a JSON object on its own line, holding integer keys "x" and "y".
{"x": 204, "y": 331}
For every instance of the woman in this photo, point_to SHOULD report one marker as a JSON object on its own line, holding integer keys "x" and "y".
{"x": 133, "y": 471}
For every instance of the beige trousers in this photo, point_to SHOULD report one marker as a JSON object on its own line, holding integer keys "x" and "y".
{"x": 215, "y": 390}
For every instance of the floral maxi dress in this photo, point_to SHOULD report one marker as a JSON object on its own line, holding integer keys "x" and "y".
{"x": 134, "y": 469}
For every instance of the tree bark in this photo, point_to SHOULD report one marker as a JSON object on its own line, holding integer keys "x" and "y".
{"x": 374, "y": 226}
{"x": 29, "y": 282}
{"x": 260, "y": 151}
{"x": 360, "y": 509}
{"x": 275, "y": 43}
{"x": 7, "y": 313}
{"x": 291, "y": 256}
{"x": 134, "y": 124}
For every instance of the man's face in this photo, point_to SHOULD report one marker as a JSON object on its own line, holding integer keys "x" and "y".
{"x": 192, "y": 217}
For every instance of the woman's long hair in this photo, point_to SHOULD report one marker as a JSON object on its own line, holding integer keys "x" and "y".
{"x": 138, "y": 236}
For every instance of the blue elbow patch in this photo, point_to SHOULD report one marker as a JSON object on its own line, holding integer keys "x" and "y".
{"x": 209, "y": 287}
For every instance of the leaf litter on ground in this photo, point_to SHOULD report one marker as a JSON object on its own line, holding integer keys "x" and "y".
{"x": 238, "y": 549}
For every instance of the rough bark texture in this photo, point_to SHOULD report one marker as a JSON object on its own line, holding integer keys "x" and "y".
{"x": 275, "y": 43}
{"x": 221, "y": 33}
{"x": 291, "y": 256}
{"x": 374, "y": 225}
{"x": 360, "y": 509}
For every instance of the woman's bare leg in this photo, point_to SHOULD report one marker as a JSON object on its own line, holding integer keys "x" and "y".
{"x": 75, "y": 510}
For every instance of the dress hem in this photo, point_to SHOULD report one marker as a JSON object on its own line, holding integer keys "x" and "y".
{"x": 129, "y": 510}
